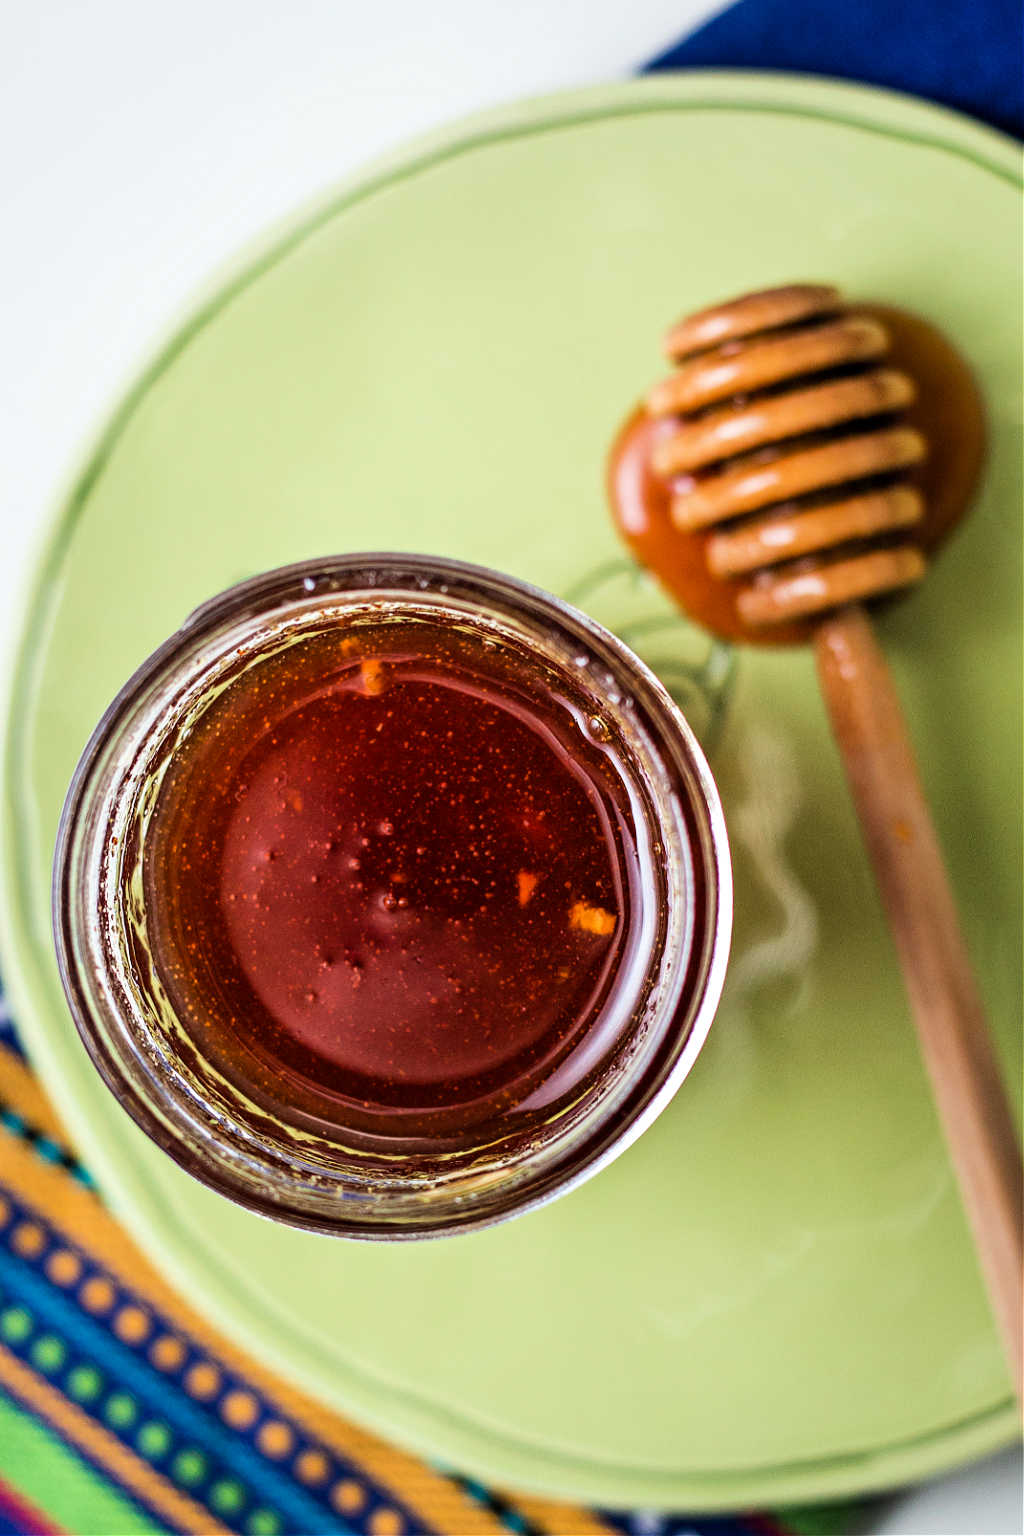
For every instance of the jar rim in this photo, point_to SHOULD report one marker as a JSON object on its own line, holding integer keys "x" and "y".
{"x": 189, "y": 1130}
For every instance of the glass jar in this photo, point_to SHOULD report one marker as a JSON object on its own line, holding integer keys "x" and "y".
{"x": 259, "y": 1145}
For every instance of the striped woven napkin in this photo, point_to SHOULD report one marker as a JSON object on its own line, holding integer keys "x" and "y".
{"x": 122, "y": 1413}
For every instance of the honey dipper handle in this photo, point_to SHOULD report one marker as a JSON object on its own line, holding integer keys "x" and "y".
{"x": 868, "y": 725}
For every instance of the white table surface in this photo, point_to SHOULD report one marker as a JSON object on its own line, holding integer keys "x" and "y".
{"x": 142, "y": 145}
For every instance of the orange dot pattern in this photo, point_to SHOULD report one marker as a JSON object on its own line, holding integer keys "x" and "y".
{"x": 203, "y": 1381}
{"x": 167, "y": 1353}
{"x": 312, "y": 1467}
{"x": 275, "y": 1439}
{"x": 239, "y": 1409}
{"x": 348, "y": 1496}
{"x": 132, "y": 1325}
{"x": 29, "y": 1239}
{"x": 64, "y": 1267}
{"x": 97, "y": 1294}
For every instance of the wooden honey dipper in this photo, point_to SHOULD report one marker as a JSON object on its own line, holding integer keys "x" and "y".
{"x": 804, "y": 457}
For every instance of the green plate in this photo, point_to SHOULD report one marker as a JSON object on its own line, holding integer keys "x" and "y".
{"x": 773, "y": 1295}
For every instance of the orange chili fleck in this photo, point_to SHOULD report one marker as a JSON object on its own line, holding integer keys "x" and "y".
{"x": 526, "y": 885}
{"x": 591, "y": 919}
{"x": 373, "y": 675}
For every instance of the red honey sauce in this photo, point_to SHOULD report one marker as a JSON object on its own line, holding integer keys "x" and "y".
{"x": 390, "y": 882}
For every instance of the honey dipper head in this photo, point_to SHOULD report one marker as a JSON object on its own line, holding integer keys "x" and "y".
{"x": 805, "y": 453}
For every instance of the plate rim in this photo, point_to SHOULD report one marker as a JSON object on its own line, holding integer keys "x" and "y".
{"x": 27, "y": 953}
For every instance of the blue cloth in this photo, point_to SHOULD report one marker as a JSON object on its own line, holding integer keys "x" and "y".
{"x": 967, "y": 54}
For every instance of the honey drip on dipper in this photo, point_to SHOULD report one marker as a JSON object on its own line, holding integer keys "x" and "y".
{"x": 806, "y": 453}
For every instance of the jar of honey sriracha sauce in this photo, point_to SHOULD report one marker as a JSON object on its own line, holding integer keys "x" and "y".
{"x": 392, "y": 896}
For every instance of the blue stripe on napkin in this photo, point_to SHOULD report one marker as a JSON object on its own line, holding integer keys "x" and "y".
{"x": 967, "y": 54}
